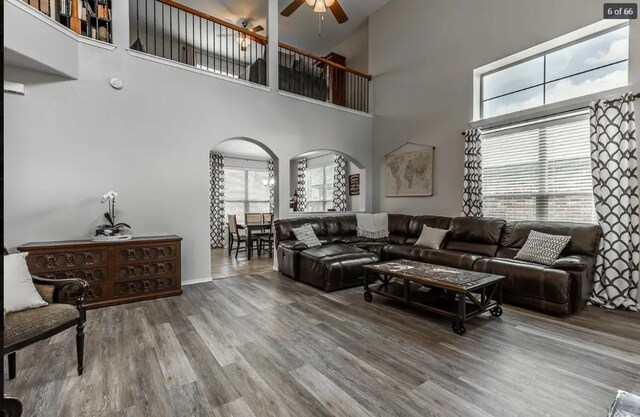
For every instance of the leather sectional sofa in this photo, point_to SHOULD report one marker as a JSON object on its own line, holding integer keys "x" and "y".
{"x": 479, "y": 244}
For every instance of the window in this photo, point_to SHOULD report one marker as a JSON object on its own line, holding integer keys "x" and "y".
{"x": 596, "y": 63}
{"x": 245, "y": 192}
{"x": 539, "y": 171}
{"x": 320, "y": 188}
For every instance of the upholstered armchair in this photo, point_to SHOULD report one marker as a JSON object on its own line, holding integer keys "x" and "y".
{"x": 65, "y": 309}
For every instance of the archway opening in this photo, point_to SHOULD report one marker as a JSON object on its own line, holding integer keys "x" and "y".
{"x": 326, "y": 181}
{"x": 243, "y": 202}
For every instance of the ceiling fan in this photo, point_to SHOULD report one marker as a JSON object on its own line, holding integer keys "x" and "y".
{"x": 242, "y": 38}
{"x": 319, "y": 6}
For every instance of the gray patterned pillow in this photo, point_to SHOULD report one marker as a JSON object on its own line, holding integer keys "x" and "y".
{"x": 542, "y": 248}
{"x": 306, "y": 235}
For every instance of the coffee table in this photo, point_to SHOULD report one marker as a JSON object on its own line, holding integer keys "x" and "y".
{"x": 450, "y": 292}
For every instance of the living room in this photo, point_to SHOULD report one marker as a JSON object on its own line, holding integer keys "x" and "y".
{"x": 490, "y": 273}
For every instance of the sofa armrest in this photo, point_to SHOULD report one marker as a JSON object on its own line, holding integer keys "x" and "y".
{"x": 292, "y": 245}
{"x": 576, "y": 263}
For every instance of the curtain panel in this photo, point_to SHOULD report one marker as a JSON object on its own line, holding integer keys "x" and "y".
{"x": 302, "y": 184}
{"x": 614, "y": 162}
{"x": 340, "y": 183}
{"x": 216, "y": 200}
{"x": 272, "y": 184}
{"x": 472, "y": 187}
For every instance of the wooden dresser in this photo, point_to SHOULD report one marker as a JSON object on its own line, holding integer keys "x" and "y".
{"x": 117, "y": 272}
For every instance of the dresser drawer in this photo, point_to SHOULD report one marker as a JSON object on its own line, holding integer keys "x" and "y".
{"x": 144, "y": 270}
{"x": 145, "y": 253}
{"x": 96, "y": 277}
{"x": 134, "y": 288}
{"x": 51, "y": 261}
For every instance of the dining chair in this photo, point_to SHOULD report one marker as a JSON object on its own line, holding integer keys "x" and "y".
{"x": 253, "y": 218}
{"x": 236, "y": 237}
{"x": 268, "y": 238}
{"x": 267, "y": 218}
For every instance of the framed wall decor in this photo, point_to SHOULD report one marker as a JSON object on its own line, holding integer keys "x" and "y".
{"x": 354, "y": 184}
{"x": 409, "y": 173}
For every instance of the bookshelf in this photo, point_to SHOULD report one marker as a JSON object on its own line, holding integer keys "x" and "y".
{"x": 90, "y": 18}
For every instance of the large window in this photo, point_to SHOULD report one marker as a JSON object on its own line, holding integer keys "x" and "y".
{"x": 245, "y": 191}
{"x": 320, "y": 188}
{"x": 539, "y": 171}
{"x": 589, "y": 65}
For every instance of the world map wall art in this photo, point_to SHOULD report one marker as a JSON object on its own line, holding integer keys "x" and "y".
{"x": 409, "y": 174}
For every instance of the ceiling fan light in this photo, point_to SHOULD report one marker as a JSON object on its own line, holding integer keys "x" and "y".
{"x": 311, "y": 2}
{"x": 320, "y": 7}
{"x": 329, "y": 3}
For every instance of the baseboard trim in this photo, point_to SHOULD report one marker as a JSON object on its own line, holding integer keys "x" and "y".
{"x": 196, "y": 281}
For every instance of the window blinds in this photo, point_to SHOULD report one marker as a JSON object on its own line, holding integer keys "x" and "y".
{"x": 539, "y": 171}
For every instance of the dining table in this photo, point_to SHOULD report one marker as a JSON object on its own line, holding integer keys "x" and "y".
{"x": 252, "y": 227}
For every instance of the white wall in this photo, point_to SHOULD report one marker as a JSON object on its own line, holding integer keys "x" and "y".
{"x": 68, "y": 142}
{"x": 422, "y": 56}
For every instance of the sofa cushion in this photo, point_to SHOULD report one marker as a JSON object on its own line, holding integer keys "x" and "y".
{"x": 528, "y": 279}
{"x": 542, "y": 248}
{"x": 321, "y": 252}
{"x": 410, "y": 252}
{"x": 417, "y": 222}
{"x": 585, "y": 238}
{"x": 398, "y": 228}
{"x": 450, "y": 258}
{"x": 480, "y": 235}
{"x": 26, "y": 324}
{"x": 348, "y": 225}
{"x": 373, "y": 247}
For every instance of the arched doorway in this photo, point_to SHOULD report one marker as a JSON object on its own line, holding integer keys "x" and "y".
{"x": 243, "y": 184}
{"x": 326, "y": 180}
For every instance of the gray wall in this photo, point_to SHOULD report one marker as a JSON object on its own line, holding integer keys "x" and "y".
{"x": 422, "y": 56}
{"x": 68, "y": 142}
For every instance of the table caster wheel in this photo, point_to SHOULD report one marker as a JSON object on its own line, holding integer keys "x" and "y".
{"x": 496, "y": 311}
{"x": 458, "y": 328}
{"x": 368, "y": 296}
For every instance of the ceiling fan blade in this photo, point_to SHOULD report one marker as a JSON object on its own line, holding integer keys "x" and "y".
{"x": 338, "y": 12}
{"x": 257, "y": 29}
{"x": 292, "y": 7}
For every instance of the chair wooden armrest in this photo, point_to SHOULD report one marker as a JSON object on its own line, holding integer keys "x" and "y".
{"x": 75, "y": 288}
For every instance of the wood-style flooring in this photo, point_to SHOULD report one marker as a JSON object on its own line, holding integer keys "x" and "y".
{"x": 262, "y": 345}
{"x": 225, "y": 266}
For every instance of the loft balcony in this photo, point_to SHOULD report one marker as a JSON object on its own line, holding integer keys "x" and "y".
{"x": 190, "y": 37}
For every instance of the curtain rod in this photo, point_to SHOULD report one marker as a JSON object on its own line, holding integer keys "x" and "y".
{"x": 246, "y": 159}
{"x": 633, "y": 97}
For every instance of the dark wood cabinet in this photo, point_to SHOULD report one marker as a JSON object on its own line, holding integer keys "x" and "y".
{"x": 117, "y": 272}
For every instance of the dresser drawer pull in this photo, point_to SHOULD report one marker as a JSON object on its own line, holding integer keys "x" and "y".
{"x": 71, "y": 259}
{"x": 51, "y": 261}
{"x": 132, "y": 254}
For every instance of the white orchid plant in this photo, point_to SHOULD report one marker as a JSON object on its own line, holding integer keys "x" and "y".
{"x": 110, "y": 215}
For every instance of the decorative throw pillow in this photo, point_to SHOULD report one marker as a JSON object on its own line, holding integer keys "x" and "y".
{"x": 542, "y": 248}
{"x": 19, "y": 291}
{"x": 430, "y": 237}
{"x": 306, "y": 235}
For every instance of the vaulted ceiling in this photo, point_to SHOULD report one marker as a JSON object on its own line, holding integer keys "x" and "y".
{"x": 301, "y": 28}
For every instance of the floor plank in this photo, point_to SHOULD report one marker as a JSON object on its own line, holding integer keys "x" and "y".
{"x": 258, "y": 344}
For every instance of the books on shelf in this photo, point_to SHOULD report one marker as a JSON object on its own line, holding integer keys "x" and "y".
{"x": 104, "y": 12}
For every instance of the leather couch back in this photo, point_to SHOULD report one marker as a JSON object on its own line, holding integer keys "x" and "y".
{"x": 585, "y": 238}
{"x": 416, "y": 223}
{"x": 284, "y": 228}
{"x": 479, "y": 235}
{"x": 398, "y": 228}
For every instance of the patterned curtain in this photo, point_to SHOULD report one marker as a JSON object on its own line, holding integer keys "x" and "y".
{"x": 272, "y": 185}
{"x": 614, "y": 164}
{"x": 340, "y": 183}
{"x": 302, "y": 184}
{"x": 472, "y": 191}
{"x": 216, "y": 195}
